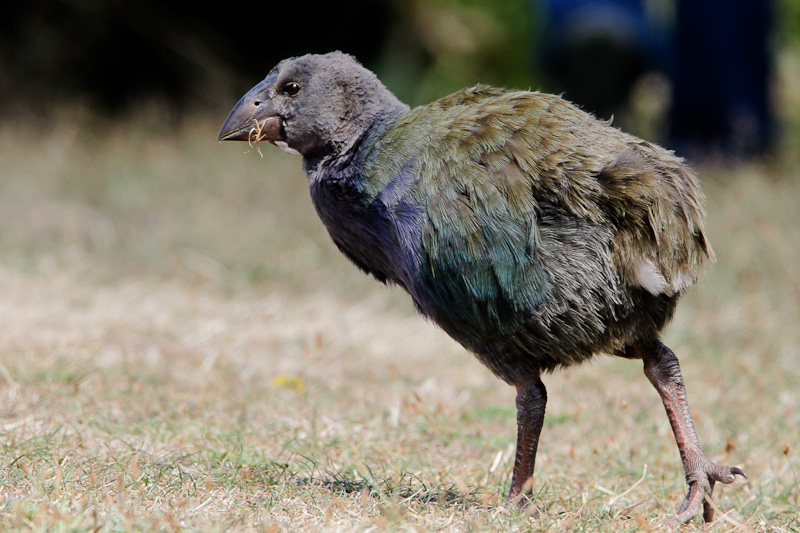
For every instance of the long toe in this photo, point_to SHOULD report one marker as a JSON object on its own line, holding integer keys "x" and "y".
{"x": 702, "y": 487}
{"x": 692, "y": 505}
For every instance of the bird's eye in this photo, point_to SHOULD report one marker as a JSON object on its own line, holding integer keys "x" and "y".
{"x": 291, "y": 88}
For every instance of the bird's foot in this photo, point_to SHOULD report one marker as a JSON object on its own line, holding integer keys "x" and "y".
{"x": 701, "y": 481}
{"x": 525, "y": 504}
{"x": 520, "y": 496}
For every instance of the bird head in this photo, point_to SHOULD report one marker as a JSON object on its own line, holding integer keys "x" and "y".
{"x": 312, "y": 105}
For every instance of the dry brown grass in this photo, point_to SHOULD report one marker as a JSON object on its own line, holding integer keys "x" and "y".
{"x": 183, "y": 349}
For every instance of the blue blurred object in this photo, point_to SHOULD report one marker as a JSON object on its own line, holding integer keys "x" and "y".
{"x": 716, "y": 57}
{"x": 720, "y": 78}
{"x": 597, "y": 49}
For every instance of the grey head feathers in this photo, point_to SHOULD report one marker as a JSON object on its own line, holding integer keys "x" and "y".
{"x": 336, "y": 101}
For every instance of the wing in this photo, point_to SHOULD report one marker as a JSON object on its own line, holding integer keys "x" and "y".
{"x": 481, "y": 234}
{"x": 530, "y": 201}
{"x": 481, "y": 240}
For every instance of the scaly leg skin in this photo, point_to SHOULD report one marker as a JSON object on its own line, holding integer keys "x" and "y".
{"x": 531, "y": 400}
{"x": 662, "y": 369}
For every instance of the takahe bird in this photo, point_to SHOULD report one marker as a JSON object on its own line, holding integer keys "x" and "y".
{"x": 532, "y": 233}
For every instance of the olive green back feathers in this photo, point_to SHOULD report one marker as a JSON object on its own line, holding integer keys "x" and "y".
{"x": 542, "y": 229}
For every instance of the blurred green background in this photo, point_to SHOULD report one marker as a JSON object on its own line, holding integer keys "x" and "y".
{"x": 111, "y": 56}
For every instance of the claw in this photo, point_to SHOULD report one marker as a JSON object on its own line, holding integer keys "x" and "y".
{"x": 738, "y": 472}
{"x": 724, "y": 474}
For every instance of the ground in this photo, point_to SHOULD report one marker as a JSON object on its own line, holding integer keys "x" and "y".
{"x": 182, "y": 348}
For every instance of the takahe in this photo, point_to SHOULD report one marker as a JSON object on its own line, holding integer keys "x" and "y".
{"x": 532, "y": 233}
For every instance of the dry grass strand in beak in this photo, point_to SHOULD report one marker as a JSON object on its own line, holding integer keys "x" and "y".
{"x": 256, "y": 135}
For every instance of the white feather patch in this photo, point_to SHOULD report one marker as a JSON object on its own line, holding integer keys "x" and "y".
{"x": 650, "y": 278}
{"x": 285, "y": 147}
{"x": 681, "y": 281}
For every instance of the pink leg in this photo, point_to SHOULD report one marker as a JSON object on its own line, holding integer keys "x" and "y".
{"x": 662, "y": 369}
{"x": 531, "y": 400}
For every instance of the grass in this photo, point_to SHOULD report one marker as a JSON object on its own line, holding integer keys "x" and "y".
{"x": 183, "y": 349}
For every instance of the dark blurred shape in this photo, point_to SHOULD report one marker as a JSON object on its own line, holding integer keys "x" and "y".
{"x": 716, "y": 58}
{"x": 596, "y": 50}
{"x": 720, "y": 77}
{"x": 112, "y": 54}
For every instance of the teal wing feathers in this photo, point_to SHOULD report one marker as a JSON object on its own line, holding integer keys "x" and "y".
{"x": 481, "y": 233}
{"x": 481, "y": 239}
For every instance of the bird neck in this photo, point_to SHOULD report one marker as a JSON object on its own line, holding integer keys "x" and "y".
{"x": 337, "y": 160}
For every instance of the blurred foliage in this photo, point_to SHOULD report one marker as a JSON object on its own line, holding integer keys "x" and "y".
{"x": 439, "y": 46}
{"x": 788, "y": 20}
{"x": 112, "y": 56}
